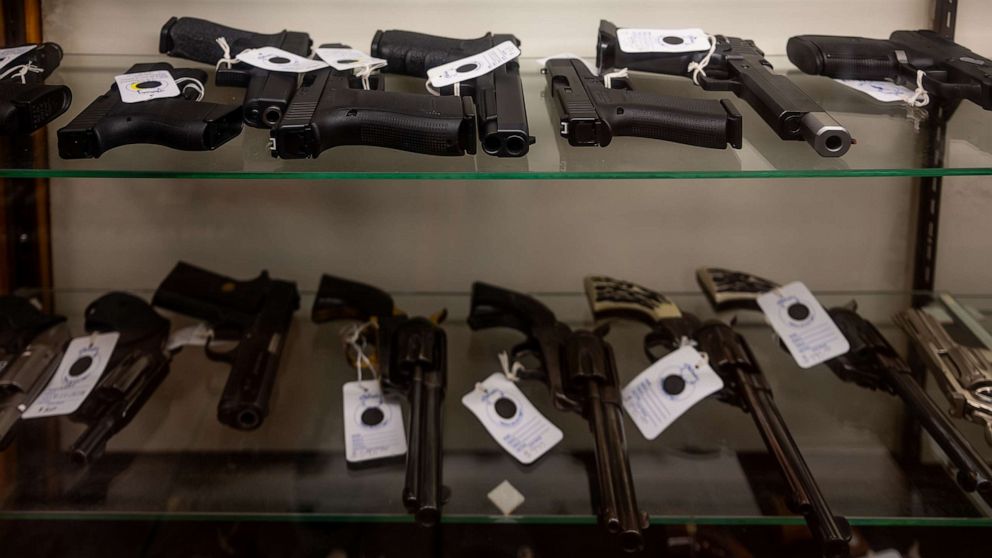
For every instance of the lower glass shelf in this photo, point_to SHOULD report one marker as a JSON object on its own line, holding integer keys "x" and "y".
{"x": 176, "y": 462}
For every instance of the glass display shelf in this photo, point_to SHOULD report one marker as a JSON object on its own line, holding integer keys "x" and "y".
{"x": 176, "y": 462}
{"x": 891, "y": 142}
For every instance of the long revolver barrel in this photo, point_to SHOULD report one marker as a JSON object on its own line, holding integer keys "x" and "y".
{"x": 255, "y": 313}
{"x": 411, "y": 359}
{"x": 580, "y": 371}
{"x": 745, "y": 387}
{"x": 268, "y": 93}
{"x": 136, "y": 367}
{"x": 592, "y": 114}
{"x": 498, "y": 95}
{"x": 331, "y": 108}
{"x": 738, "y": 65}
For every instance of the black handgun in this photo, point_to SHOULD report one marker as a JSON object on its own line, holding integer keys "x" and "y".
{"x": 871, "y": 363}
{"x": 31, "y": 346}
{"x": 745, "y": 387}
{"x": 592, "y": 114}
{"x": 951, "y": 72}
{"x": 738, "y": 65}
{"x": 177, "y": 122}
{"x": 26, "y": 103}
{"x": 580, "y": 371}
{"x": 135, "y": 369}
{"x": 411, "y": 359}
{"x": 256, "y": 313}
{"x": 268, "y": 93}
{"x": 498, "y": 95}
{"x": 333, "y": 108}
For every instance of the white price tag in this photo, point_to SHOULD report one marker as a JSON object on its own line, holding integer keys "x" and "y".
{"x": 667, "y": 389}
{"x": 803, "y": 325}
{"x": 7, "y": 55}
{"x": 541, "y": 62}
{"x": 78, "y": 373}
{"x": 884, "y": 91}
{"x": 663, "y": 40}
{"x": 373, "y": 423}
{"x": 513, "y": 421}
{"x": 277, "y": 60}
{"x": 473, "y": 66}
{"x": 349, "y": 59}
{"x": 145, "y": 86}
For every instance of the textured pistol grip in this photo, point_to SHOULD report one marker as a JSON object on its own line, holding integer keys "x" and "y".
{"x": 843, "y": 57}
{"x": 702, "y": 123}
{"x": 412, "y": 54}
{"x": 25, "y": 108}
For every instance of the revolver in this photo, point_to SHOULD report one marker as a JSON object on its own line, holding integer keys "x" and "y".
{"x": 410, "y": 356}
{"x": 871, "y": 363}
{"x": 590, "y": 113}
{"x": 580, "y": 371}
{"x": 26, "y": 103}
{"x": 947, "y": 70}
{"x": 745, "y": 387}
{"x": 963, "y": 373}
{"x": 267, "y": 93}
{"x": 256, "y": 314}
{"x": 31, "y": 346}
{"x": 498, "y": 95}
{"x": 135, "y": 369}
{"x": 332, "y": 108}
{"x": 738, "y": 65}
{"x": 177, "y": 122}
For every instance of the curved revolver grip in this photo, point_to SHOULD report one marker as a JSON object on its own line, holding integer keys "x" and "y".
{"x": 494, "y": 306}
{"x": 412, "y": 54}
{"x": 844, "y": 57}
{"x": 341, "y": 299}
{"x": 196, "y": 39}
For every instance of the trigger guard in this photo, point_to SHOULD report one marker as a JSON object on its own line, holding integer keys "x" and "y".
{"x": 524, "y": 350}
{"x": 219, "y": 356}
{"x": 717, "y": 84}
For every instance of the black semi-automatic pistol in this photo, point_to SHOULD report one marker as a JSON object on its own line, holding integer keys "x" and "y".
{"x": 738, "y": 65}
{"x": 31, "y": 346}
{"x": 257, "y": 314}
{"x": 871, "y": 363}
{"x": 134, "y": 371}
{"x": 180, "y": 122}
{"x": 26, "y": 102}
{"x": 498, "y": 95}
{"x": 267, "y": 93}
{"x": 745, "y": 387}
{"x": 411, "y": 360}
{"x": 332, "y": 108}
{"x": 580, "y": 371}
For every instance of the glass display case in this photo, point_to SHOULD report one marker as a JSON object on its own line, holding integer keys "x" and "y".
{"x": 176, "y": 481}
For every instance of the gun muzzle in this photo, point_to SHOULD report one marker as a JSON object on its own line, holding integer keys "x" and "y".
{"x": 825, "y": 134}
{"x": 93, "y": 441}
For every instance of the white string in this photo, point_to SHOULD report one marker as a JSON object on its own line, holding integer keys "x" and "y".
{"x": 920, "y": 97}
{"x": 697, "y": 68}
{"x": 227, "y": 53}
{"x": 510, "y": 372}
{"x": 21, "y": 71}
{"x": 608, "y": 78}
{"x": 365, "y": 72}
{"x": 686, "y": 342}
{"x": 196, "y": 84}
{"x": 352, "y": 335}
{"x": 436, "y": 93}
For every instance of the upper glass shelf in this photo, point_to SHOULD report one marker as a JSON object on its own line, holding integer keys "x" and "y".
{"x": 889, "y": 142}
{"x": 710, "y": 467}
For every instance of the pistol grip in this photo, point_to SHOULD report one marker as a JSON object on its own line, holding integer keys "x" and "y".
{"x": 412, "y": 54}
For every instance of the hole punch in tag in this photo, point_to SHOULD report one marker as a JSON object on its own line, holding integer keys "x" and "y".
{"x": 373, "y": 423}
{"x": 7, "y": 55}
{"x": 803, "y": 324}
{"x": 668, "y": 388}
{"x": 349, "y": 59}
{"x": 636, "y": 40}
{"x": 145, "y": 86}
{"x": 511, "y": 419}
{"x": 277, "y": 60}
{"x": 83, "y": 362}
{"x": 473, "y": 66}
